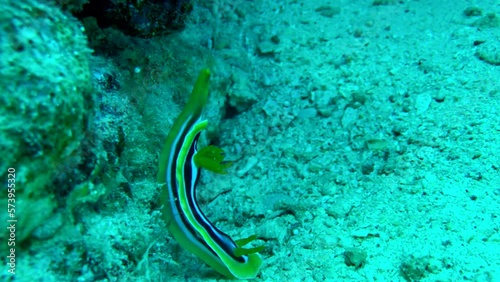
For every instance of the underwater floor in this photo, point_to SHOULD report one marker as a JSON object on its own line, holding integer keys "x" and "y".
{"x": 363, "y": 137}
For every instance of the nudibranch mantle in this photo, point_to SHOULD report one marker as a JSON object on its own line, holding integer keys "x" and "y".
{"x": 180, "y": 164}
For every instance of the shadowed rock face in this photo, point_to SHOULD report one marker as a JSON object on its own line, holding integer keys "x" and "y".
{"x": 139, "y": 18}
{"x": 45, "y": 102}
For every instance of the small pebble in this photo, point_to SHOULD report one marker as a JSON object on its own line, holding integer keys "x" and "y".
{"x": 307, "y": 113}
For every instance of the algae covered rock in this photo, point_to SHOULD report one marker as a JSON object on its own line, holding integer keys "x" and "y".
{"x": 44, "y": 93}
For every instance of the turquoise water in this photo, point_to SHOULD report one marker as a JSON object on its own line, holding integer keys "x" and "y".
{"x": 364, "y": 138}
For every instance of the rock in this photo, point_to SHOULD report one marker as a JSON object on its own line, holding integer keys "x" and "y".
{"x": 46, "y": 90}
{"x": 489, "y": 52}
{"x": 354, "y": 257}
